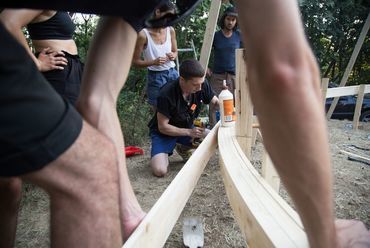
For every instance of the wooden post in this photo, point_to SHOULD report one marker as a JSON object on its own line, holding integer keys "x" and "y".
{"x": 255, "y": 128}
{"x": 351, "y": 62}
{"x": 243, "y": 105}
{"x": 324, "y": 89}
{"x": 360, "y": 98}
{"x": 269, "y": 172}
{"x": 210, "y": 32}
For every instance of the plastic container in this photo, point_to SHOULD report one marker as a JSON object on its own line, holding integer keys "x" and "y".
{"x": 226, "y": 100}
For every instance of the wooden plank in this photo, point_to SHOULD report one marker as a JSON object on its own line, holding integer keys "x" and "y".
{"x": 269, "y": 172}
{"x": 244, "y": 108}
{"x": 155, "y": 228}
{"x": 360, "y": 158}
{"x": 264, "y": 217}
{"x": 360, "y": 98}
{"x": 346, "y": 91}
{"x": 351, "y": 62}
{"x": 205, "y": 52}
{"x": 255, "y": 129}
{"x": 342, "y": 91}
{"x": 324, "y": 88}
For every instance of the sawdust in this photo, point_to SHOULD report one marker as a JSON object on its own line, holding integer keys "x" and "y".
{"x": 209, "y": 201}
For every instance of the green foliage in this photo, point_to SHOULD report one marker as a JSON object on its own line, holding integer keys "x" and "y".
{"x": 134, "y": 115}
{"x": 85, "y": 28}
{"x": 193, "y": 28}
{"x": 333, "y": 28}
{"x": 133, "y": 110}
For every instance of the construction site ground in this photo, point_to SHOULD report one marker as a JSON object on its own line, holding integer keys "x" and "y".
{"x": 209, "y": 201}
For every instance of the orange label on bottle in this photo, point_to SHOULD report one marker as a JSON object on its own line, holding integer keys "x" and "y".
{"x": 228, "y": 110}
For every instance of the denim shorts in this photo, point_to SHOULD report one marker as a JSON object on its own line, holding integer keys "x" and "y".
{"x": 155, "y": 80}
{"x": 166, "y": 144}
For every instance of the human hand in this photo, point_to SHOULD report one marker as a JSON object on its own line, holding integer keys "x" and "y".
{"x": 49, "y": 59}
{"x": 208, "y": 72}
{"x": 352, "y": 233}
{"x": 197, "y": 132}
{"x": 160, "y": 60}
{"x": 171, "y": 56}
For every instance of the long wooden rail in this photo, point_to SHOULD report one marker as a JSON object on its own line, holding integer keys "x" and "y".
{"x": 263, "y": 216}
{"x": 346, "y": 91}
{"x": 359, "y": 90}
{"x": 158, "y": 223}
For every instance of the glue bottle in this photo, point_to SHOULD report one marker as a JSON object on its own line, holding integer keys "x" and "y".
{"x": 226, "y": 101}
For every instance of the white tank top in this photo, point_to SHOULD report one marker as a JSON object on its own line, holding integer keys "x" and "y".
{"x": 153, "y": 51}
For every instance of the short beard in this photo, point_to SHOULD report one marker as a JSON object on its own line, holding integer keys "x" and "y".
{"x": 229, "y": 29}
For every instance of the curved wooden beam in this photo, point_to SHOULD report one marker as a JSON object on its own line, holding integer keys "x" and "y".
{"x": 263, "y": 216}
{"x": 155, "y": 228}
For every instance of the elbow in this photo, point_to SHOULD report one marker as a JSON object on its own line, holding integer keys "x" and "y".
{"x": 282, "y": 77}
{"x": 135, "y": 63}
{"x": 161, "y": 129}
{"x": 11, "y": 27}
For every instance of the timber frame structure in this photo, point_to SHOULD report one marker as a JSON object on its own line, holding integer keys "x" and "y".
{"x": 264, "y": 218}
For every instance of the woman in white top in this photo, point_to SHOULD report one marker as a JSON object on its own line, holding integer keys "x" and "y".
{"x": 159, "y": 49}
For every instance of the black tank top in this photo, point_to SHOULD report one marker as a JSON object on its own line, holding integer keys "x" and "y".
{"x": 58, "y": 27}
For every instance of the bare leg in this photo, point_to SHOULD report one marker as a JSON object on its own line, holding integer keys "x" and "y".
{"x": 105, "y": 73}
{"x": 83, "y": 188}
{"x": 10, "y": 197}
{"x": 159, "y": 164}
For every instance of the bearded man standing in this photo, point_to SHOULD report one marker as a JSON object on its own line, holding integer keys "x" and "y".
{"x": 226, "y": 40}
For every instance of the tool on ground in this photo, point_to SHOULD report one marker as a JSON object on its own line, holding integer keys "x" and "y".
{"x": 192, "y": 230}
{"x": 202, "y": 122}
{"x": 133, "y": 150}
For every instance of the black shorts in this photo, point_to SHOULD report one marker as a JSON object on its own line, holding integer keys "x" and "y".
{"x": 67, "y": 82}
{"x": 36, "y": 124}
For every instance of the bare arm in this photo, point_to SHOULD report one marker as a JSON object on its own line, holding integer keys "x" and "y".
{"x": 215, "y": 101}
{"x": 173, "y": 54}
{"x": 171, "y": 130}
{"x": 284, "y": 83}
{"x": 137, "y": 61}
{"x": 139, "y": 48}
{"x": 14, "y": 20}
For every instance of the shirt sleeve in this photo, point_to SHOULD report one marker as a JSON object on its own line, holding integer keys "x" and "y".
{"x": 164, "y": 106}
{"x": 207, "y": 92}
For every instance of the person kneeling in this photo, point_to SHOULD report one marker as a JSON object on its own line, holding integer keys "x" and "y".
{"x": 178, "y": 104}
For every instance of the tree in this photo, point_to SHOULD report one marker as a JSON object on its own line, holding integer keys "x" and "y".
{"x": 333, "y": 28}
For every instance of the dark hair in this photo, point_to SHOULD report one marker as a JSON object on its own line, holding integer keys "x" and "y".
{"x": 191, "y": 68}
{"x": 230, "y": 11}
{"x": 166, "y": 6}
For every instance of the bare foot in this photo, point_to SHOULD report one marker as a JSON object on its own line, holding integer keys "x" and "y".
{"x": 130, "y": 224}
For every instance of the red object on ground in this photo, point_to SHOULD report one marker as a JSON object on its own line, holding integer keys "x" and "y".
{"x": 133, "y": 150}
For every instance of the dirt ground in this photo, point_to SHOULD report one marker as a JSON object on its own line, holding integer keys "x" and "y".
{"x": 209, "y": 201}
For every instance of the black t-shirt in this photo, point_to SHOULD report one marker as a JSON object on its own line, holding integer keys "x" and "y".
{"x": 172, "y": 104}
